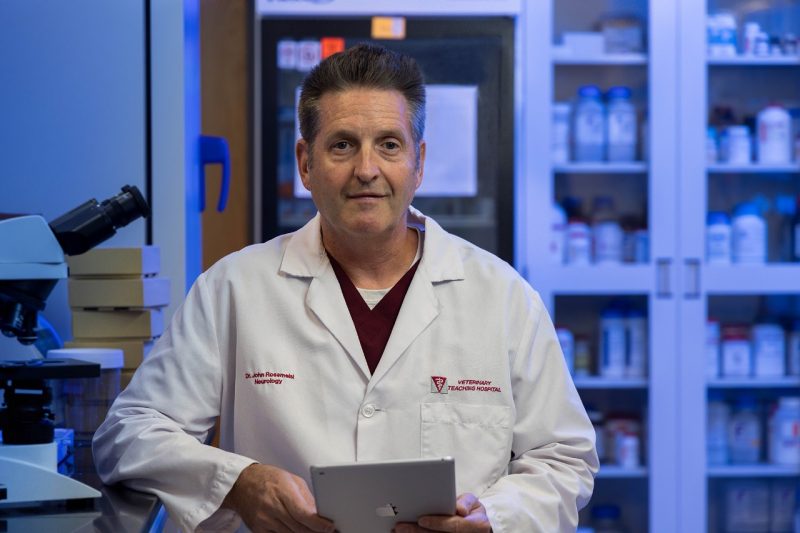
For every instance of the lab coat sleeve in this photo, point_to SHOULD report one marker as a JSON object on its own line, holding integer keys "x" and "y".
{"x": 153, "y": 437}
{"x": 551, "y": 474}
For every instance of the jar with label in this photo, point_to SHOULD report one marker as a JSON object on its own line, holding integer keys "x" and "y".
{"x": 736, "y": 352}
{"x": 579, "y": 242}
{"x": 607, "y": 232}
{"x": 713, "y": 337}
{"x": 627, "y": 450}
{"x": 612, "y": 343}
{"x": 747, "y": 506}
{"x": 636, "y": 343}
{"x": 739, "y": 147}
{"x": 619, "y": 425}
{"x": 560, "y": 132}
{"x": 718, "y": 414}
{"x": 589, "y": 125}
{"x": 558, "y": 235}
{"x": 785, "y": 432}
{"x": 718, "y": 238}
{"x": 583, "y": 357}
{"x": 749, "y": 234}
{"x": 793, "y": 355}
{"x": 774, "y": 135}
{"x": 567, "y": 342}
{"x": 769, "y": 350}
{"x": 621, "y": 122}
{"x": 744, "y": 432}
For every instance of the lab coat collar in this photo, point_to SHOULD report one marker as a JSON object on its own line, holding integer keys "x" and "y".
{"x": 305, "y": 256}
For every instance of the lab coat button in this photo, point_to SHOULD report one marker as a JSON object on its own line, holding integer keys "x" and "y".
{"x": 368, "y": 410}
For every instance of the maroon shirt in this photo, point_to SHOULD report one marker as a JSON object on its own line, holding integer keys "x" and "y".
{"x": 373, "y": 326}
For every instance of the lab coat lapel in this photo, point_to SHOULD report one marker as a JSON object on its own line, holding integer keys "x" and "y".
{"x": 325, "y": 300}
{"x": 305, "y": 257}
{"x": 420, "y": 308}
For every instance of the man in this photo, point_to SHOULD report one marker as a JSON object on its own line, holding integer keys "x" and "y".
{"x": 369, "y": 334}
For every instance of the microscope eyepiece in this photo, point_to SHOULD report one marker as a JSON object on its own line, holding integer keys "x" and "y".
{"x": 91, "y": 223}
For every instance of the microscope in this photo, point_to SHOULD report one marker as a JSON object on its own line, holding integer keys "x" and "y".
{"x": 31, "y": 263}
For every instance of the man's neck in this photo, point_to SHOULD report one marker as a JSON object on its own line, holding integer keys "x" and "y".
{"x": 376, "y": 263}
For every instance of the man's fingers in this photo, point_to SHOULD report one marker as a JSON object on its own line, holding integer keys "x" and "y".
{"x": 302, "y": 512}
{"x": 466, "y": 503}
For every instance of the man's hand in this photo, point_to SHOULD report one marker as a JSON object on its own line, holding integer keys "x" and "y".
{"x": 270, "y": 499}
{"x": 470, "y": 517}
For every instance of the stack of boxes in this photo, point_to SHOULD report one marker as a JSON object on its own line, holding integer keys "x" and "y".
{"x": 117, "y": 298}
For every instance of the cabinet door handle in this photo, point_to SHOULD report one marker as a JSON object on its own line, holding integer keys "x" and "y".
{"x": 691, "y": 286}
{"x": 663, "y": 275}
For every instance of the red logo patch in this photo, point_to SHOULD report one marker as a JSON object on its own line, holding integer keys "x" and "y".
{"x": 439, "y": 384}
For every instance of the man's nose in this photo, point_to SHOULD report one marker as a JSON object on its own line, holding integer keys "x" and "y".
{"x": 366, "y": 168}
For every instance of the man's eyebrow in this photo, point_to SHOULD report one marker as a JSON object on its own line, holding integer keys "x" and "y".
{"x": 397, "y": 133}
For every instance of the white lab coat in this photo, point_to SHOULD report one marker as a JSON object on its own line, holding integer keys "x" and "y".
{"x": 265, "y": 341}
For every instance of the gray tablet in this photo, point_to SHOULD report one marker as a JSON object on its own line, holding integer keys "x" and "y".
{"x": 372, "y": 497}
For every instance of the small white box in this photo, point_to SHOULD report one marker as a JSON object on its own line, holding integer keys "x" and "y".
{"x": 584, "y": 43}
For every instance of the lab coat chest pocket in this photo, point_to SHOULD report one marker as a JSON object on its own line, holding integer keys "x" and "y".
{"x": 478, "y": 437}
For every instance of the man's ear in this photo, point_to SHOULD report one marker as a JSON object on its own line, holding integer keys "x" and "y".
{"x": 302, "y": 152}
{"x": 420, "y": 163}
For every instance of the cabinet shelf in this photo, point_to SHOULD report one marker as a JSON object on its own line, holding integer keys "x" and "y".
{"x": 753, "y": 61}
{"x": 597, "y": 382}
{"x": 754, "y": 383}
{"x": 595, "y": 279}
{"x": 564, "y": 57}
{"x": 637, "y": 167}
{"x": 773, "y": 278}
{"x": 759, "y": 470}
{"x": 617, "y": 472}
{"x": 753, "y": 168}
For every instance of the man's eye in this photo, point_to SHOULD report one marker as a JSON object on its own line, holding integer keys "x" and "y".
{"x": 341, "y": 145}
{"x": 391, "y": 145}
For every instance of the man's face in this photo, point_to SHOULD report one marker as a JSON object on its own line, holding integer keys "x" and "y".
{"x": 362, "y": 170}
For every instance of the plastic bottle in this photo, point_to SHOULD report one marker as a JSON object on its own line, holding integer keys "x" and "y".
{"x": 718, "y": 419}
{"x": 785, "y": 432}
{"x": 606, "y": 519}
{"x": 589, "y": 125}
{"x": 774, "y": 135}
{"x": 769, "y": 350}
{"x": 739, "y": 146}
{"x": 747, "y": 506}
{"x": 636, "y": 341}
{"x": 737, "y": 360}
{"x": 607, "y": 232}
{"x": 713, "y": 338}
{"x": 567, "y": 342}
{"x": 718, "y": 238}
{"x": 583, "y": 357}
{"x": 744, "y": 432}
{"x": 786, "y": 208}
{"x": 579, "y": 242}
{"x": 561, "y": 132}
{"x": 712, "y": 150}
{"x": 781, "y": 506}
{"x": 749, "y": 234}
{"x": 751, "y": 31}
{"x": 621, "y": 123}
{"x": 793, "y": 355}
{"x": 558, "y": 235}
{"x": 612, "y": 343}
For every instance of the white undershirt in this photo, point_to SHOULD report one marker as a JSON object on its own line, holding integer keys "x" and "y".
{"x": 373, "y": 296}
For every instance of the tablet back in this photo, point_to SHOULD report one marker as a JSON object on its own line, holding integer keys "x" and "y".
{"x": 373, "y": 497}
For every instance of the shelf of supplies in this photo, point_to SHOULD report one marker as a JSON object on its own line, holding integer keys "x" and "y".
{"x": 595, "y": 279}
{"x": 759, "y": 470}
{"x": 637, "y": 167}
{"x": 754, "y": 383}
{"x": 465, "y": 221}
{"x": 773, "y": 278}
{"x": 754, "y": 168}
{"x": 563, "y": 57}
{"x": 754, "y": 61}
{"x": 618, "y": 472}
{"x": 598, "y": 382}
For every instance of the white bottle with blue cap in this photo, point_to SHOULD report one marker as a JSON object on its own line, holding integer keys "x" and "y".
{"x": 590, "y": 125}
{"x": 749, "y": 234}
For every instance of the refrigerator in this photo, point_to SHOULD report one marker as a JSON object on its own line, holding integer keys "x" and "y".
{"x": 468, "y": 60}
